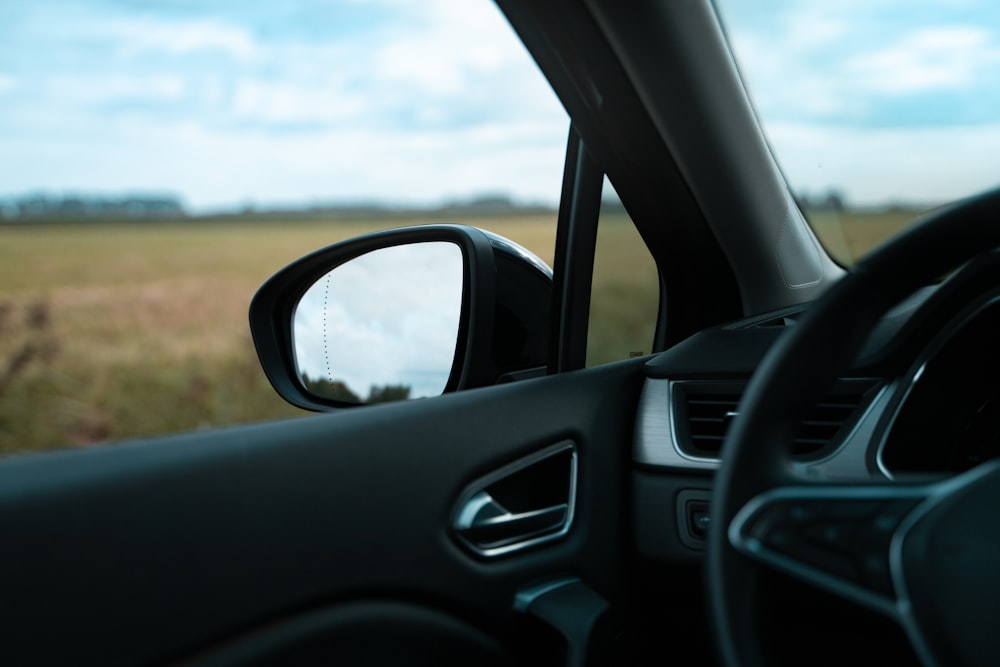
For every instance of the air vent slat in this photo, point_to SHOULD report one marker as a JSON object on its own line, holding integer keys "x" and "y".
{"x": 817, "y": 442}
{"x": 706, "y": 410}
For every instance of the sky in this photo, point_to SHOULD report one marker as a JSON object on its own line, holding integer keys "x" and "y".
{"x": 238, "y": 103}
{"x": 886, "y": 101}
{"x": 271, "y": 103}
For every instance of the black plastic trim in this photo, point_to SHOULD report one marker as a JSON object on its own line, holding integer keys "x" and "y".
{"x": 272, "y": 308}
{"x": 576, "y": 240}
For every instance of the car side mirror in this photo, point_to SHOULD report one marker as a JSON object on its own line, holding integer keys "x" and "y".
{"x": 405, "y": 313}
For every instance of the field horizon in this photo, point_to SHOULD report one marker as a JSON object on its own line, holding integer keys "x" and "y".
{"x": 117, "y": 330}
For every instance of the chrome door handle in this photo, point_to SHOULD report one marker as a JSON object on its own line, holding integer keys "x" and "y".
{"x": 526, "y": 503}
{"x": 485, "y": 522}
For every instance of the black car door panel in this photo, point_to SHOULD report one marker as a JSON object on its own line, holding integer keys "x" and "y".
{"x": 188, "y": 546}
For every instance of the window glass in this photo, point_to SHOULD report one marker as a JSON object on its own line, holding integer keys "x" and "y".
{"x": 625, "y": 297}
{"x": 877, "y": 111}
{"x": 162, "y": 159}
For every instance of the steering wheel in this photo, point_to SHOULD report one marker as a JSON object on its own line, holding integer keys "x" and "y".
{"x": 926, "y": 555}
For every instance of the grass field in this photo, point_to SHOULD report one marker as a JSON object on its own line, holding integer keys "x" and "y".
{"x": 112, "y": 331}
{"x": 848, "y": 235}
{"x": 115, "y": 331}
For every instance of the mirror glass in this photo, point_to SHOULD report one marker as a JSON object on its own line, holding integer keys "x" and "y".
{"x": 382, "y": 326}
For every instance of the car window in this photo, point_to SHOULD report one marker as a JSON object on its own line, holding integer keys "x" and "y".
{"x": 876, "y": 111}
{"x": 625, "y": 293}
{"x": 162, "y": 159}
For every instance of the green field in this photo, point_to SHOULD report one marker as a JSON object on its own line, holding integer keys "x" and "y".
{"x": 848, "y": 235}
{"x": 113, "y": 331}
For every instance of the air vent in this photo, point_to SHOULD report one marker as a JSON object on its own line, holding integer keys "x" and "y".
{"x": 704, "y": 410}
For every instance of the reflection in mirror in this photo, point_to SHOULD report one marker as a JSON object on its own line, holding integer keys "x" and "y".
{"x": 382, "y": 326}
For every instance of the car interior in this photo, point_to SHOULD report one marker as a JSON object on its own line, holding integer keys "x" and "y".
{"x": 800, "y": 473}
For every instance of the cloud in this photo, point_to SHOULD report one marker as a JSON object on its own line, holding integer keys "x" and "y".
{"x": 940, "y": 58}
{"x": 848, "y": 62}
{"x": 283, "y": 103}
{"x": 427, "y": 59}
{"x": 177, "y": 37}
{"x": 883, "y": 100}
{"x": 119, "y": 88}
{"x": 388, "y": 317}
{"x": 271, "y": 102}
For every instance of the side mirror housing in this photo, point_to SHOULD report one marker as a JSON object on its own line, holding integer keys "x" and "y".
{"x": 404, "y": 313}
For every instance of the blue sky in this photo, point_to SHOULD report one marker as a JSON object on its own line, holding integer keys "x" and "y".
{"x": 240, "y": 102}
{"x": 889, "y": 101}
{"x": 273, "y": 103}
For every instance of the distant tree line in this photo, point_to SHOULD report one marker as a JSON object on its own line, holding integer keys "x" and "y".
{"x": 831, "y": 200}
{"x": 138, "y": 207}
{"x": 834, "y": 200}
{"x": 485, "y": 205}
{"x": 84, "y": 208}
{"x": 77, "y": 207}
{"x": 338, "y": 390}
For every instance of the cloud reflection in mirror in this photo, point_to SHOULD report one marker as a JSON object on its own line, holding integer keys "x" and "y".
{"x": 383, "y": 326}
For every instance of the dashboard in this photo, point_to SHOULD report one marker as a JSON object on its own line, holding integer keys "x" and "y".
{"x": 922, "y": 398}
{"x": 949, "y": 418}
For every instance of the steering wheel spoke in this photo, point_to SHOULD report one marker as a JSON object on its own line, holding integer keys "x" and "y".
{"x": 838, "y": 538}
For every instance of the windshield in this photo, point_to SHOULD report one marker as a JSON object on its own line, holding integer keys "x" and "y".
{"x": 876, "y": 111}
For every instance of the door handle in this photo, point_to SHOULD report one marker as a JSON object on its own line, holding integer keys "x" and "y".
{"x": 526, "y": 503}
{"x": 485, "y": 522}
